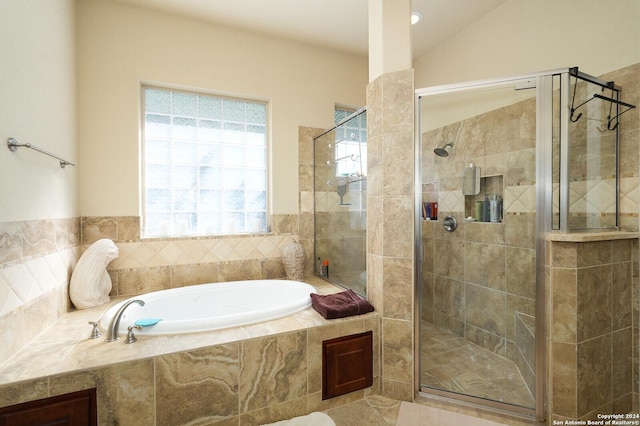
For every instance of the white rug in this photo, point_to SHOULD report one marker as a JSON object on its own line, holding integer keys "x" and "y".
{"x": 420, "y": 415}
{"x": 313, "y": 419}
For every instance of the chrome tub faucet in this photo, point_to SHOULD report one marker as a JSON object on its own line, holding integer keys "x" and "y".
{"x": 114, "y": 325}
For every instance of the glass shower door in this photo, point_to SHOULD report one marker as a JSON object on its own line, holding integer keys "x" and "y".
{"x": 340, "y": 185}
{"x": 478, "y": 278}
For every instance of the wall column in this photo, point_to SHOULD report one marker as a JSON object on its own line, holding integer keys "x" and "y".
{"x": 390, "y": 189}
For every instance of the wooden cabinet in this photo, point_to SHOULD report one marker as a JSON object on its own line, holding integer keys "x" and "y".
{"x": 347, "y": 364}
{"x": 72, "y": 409}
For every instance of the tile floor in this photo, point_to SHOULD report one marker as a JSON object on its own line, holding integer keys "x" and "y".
{"x": 452, "y": 363}
{"x": 377, "y": 410}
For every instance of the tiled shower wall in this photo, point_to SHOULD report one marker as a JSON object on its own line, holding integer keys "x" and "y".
{"x": 340, "y": 228}
{"x": 479, "y": 277}
{"x": 455, "y": 278}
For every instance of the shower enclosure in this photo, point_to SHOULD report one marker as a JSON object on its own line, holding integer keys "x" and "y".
{"x": 499, "y": 164}
{"x": 340, "y": 189}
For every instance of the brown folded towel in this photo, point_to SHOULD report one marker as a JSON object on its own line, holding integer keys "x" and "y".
{"x": 340, "y": 305}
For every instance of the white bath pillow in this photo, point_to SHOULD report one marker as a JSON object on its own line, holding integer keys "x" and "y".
{"x": 90, "y": 283}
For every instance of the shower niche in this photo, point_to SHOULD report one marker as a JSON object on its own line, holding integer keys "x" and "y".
{"x": 340, "y": 193}
{"x": 487, "y": 205}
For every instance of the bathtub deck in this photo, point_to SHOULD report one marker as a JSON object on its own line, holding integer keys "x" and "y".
{"x": 64, "y": 347}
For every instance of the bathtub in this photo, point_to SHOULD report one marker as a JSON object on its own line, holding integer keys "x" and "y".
{"x": 213, "y": 306}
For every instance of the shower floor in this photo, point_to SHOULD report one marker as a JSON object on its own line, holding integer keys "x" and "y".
{"x": 454, "y": 364}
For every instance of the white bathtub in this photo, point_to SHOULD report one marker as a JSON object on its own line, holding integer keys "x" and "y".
{"x": 213, "y": 306}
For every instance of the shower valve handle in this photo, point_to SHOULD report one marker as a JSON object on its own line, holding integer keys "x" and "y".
{"x": 450, "y": 223}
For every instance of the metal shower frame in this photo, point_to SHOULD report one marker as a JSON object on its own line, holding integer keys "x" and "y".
{"x": 544, "y": 209}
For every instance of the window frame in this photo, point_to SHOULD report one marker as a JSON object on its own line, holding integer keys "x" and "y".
{"x": 173, "y": 232}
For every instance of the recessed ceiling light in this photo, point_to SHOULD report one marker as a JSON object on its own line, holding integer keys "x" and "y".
{"x": 416, "y": 17}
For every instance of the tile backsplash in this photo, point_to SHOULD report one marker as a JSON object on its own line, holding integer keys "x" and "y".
{"x": 37, "y": 259}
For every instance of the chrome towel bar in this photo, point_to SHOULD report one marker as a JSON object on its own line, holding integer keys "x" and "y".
{"x": 13, "y": 146}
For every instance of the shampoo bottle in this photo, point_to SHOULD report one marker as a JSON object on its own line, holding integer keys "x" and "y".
{"x": 478, "y": 211}
{"x": 494, "y": 214}
{"x": 486, "y": 208}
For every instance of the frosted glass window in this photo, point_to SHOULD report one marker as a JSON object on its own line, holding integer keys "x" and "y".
{"x": 351, "y": 144}
{"x": 205, "y": 164}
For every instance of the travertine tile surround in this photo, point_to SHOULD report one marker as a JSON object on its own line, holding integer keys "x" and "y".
{"x": 477, "y": 280}
{"x": 176, "y": 262}
{"x": 251, "y": 374}
{"x": 37, "y": 259}
{"x": 592, "y": 330}
{"x": 390, "y": 198}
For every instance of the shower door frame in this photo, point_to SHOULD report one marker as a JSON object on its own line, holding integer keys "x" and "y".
{"x": 544, "y": 192}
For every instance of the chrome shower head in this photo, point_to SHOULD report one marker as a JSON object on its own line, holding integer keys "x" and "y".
{"x": 443, "y": 152}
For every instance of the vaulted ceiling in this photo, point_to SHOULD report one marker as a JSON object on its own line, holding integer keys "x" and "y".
{"x": 340, "y": 24}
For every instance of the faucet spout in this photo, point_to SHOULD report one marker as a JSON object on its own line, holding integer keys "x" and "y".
{"x": 114, "y": 325}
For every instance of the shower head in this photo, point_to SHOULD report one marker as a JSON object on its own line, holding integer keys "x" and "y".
{"x": 443, "y": 152}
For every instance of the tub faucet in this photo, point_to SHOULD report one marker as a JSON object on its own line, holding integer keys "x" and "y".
{"x": 112, "y": 335}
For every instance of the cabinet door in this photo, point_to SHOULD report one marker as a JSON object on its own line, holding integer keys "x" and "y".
{"x": 347, "y": 364}
{"x": 72, "y": 409}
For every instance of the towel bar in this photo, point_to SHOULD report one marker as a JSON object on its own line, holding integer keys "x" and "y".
{"x": 13, "y": 146}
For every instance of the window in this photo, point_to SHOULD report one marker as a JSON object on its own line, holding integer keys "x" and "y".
{"x": 205, "y": 164}
{"x": 352, "y": 136}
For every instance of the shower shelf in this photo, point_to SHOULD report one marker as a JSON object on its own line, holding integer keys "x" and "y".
{"x": 489, "y": 185}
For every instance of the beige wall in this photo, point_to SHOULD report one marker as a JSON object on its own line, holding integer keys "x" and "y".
{"x": 121, "y": 45}
{"x": 38, "y": 92}
{"x": 523, "y": 36}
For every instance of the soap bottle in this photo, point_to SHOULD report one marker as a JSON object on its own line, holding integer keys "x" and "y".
{"x": 479, "y": 211}
{"x": 325, "y": 269}
{"x": 319, "y": 266}
{"x": 486, "y": 208}
{"x": 494, "y": 215}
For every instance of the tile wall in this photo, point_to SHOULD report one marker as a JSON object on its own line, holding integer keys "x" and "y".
{"x": 596, "y": 292}
{"x": 36, "y": 261}
{"x": 275, "y": 373}
{"x": 390, "y": 218}
{"x": 479, "y": 278}
{"x": 157, "y": 264}
{"x": 592, "y": 339}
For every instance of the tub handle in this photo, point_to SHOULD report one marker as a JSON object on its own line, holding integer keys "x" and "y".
{"x": 95, "y": 332}
{"x": 131, "y": 338}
